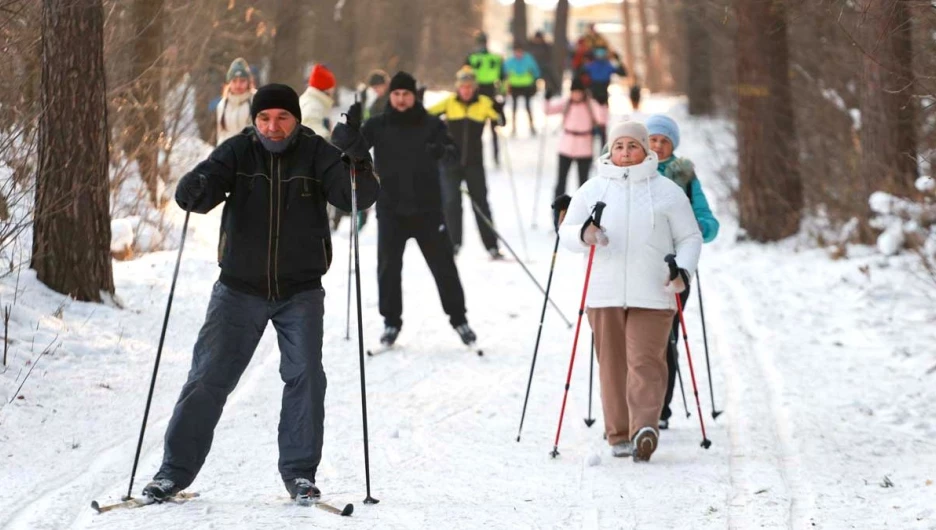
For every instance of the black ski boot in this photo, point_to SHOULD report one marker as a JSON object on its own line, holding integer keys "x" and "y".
{"x": 302, "y": 490}
{"x": 390, "y": 335}
{"x": 160, "y": 489}
{"x": 467, "y": 336}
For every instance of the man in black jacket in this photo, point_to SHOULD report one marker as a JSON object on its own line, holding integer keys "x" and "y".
{"x": 274, "y": 179}
{"x": 408, "y": 144}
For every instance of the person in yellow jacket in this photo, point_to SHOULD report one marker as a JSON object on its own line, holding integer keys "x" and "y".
{"x": 467, "y": 112}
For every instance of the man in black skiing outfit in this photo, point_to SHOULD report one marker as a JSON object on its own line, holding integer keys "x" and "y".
{"x": 274, "y": 179}
{"x": 408, "y": 144}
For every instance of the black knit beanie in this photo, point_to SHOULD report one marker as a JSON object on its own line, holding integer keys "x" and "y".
{"x": 275, "y": 96}
{"x": 403, "y": 81}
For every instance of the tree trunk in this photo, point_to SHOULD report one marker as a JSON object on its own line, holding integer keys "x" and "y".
{"x": 888, "y": 110}
{"x": 671, "y": 42}
{"x": 145, "y": 127}
{"x": 770, "y": 194}
{"x": 701, "y": 97}
{"x": 629, "y": 42}
{"x": 287, "y": 61}
{"x": 646, "y": 41}
{"x": 561, "y": 39}
{"x": 519, "y": 26}
{"x": 71, "y": 230}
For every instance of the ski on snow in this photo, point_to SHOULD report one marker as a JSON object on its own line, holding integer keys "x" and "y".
{"x": 183, "y": 497}
{"x": 178, "y": 498}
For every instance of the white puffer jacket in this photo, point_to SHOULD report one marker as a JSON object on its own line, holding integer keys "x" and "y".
{"x": 645, "y": 218}
{"x": 316, "y": 106}
{"x": 233, "y": 115}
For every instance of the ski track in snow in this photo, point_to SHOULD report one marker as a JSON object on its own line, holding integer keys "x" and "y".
{"x": 799, "y": 445}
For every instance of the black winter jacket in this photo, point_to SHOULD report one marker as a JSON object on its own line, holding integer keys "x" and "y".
{"x": 409, "y": 174}
{"x": 275, "y": 239}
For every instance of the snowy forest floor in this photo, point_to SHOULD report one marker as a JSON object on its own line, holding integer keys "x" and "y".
{"x": 825, "y": 371}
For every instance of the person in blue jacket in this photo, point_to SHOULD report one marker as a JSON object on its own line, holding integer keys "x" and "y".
{"x": 521, "y": 72}
{"x": 664, "y": 139}
{"x": 596, "y": 74}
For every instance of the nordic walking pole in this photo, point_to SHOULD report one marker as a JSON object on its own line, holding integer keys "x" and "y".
{"x": 589, "y": 421}
{"x": 596, "y": 219}
{"x": 708, "y": 366}
{"x": 516, "y": 201}
{"x": 360, "y": 329}
{"x": 162, "y": 338}
{"x": 674, "y": 272}
{"x": 674, "y": 337}
{"x": 560, "y": 205}
{"x": 682, "y": 389}
{"x": 347, "y": 334}
{"x": 500, "y": 238}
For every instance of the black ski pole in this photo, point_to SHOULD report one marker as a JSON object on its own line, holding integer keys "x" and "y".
{"x": 360, "y": 329}
{"x": 490, "y": 225}
{"x": 682, "y": 389}
{"x": 162, "y": 338}
{"x": 708, "y": 366}
{"x": 560, "y": 205}
{"x": 347, "y": 335}
{"x": 589, "y": 421}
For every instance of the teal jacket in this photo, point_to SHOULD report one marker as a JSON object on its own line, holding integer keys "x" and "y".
{"x": 682, "y": 172}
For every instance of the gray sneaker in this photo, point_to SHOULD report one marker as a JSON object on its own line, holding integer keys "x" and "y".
{"x": 622, "y": 449}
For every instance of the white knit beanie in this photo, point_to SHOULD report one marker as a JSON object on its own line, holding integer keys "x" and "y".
{"x": 631, "y": 129}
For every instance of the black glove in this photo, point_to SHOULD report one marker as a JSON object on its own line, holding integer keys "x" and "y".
{"x": 674, "y": 269}
{"x": 350, "y": 141}
{"x": 190, "y": 189}
{"x": 354, "y": 116}
{"x": 435, "y": 150}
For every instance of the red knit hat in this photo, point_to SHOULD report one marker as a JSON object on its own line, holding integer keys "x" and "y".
{"x": 321, "y": 78}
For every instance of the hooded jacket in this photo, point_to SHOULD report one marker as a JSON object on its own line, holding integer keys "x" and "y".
{"x": 646, "y": 217}
{"x": 233, "y": 114}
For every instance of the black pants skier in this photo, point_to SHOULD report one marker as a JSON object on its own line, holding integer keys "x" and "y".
{"x": 491, "y": 91}
{"x": 527, "y": 93}
{"x": 233, "y": 326}
{"x": 565, "y": 164}
{"x": 474, "y": 177}
{"x": 393, "y": 231}
{"x": 672, "y": 359}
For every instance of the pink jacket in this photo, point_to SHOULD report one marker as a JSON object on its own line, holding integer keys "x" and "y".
{"x": 577, "y": 140}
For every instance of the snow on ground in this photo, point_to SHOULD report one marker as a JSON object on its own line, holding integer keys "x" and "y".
{"x": 825, "y": 371}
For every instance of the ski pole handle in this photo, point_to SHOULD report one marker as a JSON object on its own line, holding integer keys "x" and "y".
{"x": 560, "y": 206}
{"x": 670, "y": 260}
{"x": 596, "y": 213}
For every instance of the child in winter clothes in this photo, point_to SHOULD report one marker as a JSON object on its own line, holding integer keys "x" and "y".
{"x": 316, "y": 102}
{"x": 664, "y": 139}
{"x": 233, "y": 111}
{"x": 581, "y": 115}
{"x": 630, "y": 297}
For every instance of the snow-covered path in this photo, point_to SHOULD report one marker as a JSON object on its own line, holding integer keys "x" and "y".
{"x": 820, "y": 369}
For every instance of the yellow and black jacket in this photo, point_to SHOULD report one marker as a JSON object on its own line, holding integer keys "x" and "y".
{"x": 466, "y": 120}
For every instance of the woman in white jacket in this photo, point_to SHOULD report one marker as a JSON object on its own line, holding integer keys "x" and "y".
{"x": 317, "y": 102}
{"x": 233, "y": 112}
{"x": 630, "y": 297}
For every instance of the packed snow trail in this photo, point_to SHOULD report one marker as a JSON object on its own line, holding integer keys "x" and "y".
{"x": 810, "y": 397}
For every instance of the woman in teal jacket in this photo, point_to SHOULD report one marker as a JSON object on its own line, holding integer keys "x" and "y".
{"x": 664, "y": 139}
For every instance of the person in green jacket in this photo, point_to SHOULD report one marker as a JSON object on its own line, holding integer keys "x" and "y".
{"x": 664, "y": 139}
{"x": 489, "y": 73}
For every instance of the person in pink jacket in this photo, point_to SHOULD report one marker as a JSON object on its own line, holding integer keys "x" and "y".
{"x": 581, "y": 117}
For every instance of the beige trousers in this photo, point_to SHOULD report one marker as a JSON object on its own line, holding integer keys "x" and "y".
{"x": 630, "y": 345}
